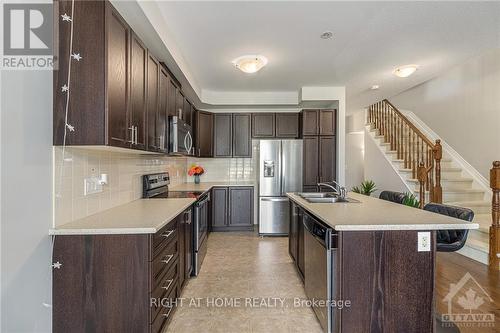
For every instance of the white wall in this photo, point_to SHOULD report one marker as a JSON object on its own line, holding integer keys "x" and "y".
{"x": 463, "y": 107}
{"x": 26, "y": 200}
{"x": 379, "y": 169}
{"x": 355, "y": 149}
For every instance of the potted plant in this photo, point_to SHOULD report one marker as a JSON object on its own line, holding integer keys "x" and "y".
{"x": 411, "y": 200}
{"x": 196, "y": 171}
{"x": 366, "y": 188}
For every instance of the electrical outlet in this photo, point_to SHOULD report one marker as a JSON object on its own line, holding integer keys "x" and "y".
{"x": 424, "y": 241}
{"x": 92, "y": 185}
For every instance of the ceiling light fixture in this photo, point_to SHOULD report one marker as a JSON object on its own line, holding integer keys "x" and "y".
{"x": 326, "y": 35}
{"x": 375, "y": 87}
{"x": 250, "y": 63}
{"x": 405, "y": 71}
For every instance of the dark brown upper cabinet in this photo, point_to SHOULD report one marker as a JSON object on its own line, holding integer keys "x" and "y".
{"x": 327, "y": 122}
{"x": 138, "y": 74}
{"x": 187, "y": 112}
{"x": 179, "y": 103}
{"x": 204, "y": 124}
{"x": 242, "y": 139}
{"x": 319, "y": 122}
{"x": 310, "y": 120}
{"x": 98, "y": 107}
{"x": 223, "y": 134}
{"x": 118, "y": 37}
{"x": 153, "y": 79}
{"x": 162, "y": 120}
{"x": 172, "y": 99}
{"x": 120, "y": 95}
{"x": 287, "y": 125}
{"x": 263, "y": 125}
{"x": 275, "y": 125}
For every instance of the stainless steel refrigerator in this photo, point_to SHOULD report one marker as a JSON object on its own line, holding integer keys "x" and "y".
{"x": 280, "y": 171}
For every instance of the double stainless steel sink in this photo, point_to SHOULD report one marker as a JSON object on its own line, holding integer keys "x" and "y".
{"x": 324, "y": 197}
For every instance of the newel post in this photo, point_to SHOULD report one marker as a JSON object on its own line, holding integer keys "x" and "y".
{"x": 437, "y": 191}
{"x": 494, "y": 259}
{"x": 422, "y": 178}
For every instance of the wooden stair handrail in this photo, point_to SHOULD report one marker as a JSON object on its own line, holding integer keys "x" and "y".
{"x": 418, "y": 153}
{"x": 409, "y": 123}
{"x": 494, "y": 259}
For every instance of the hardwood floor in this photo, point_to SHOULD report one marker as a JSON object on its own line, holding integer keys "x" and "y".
{"x": 477, "y": 294}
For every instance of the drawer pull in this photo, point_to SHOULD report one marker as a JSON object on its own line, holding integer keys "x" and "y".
{"x": 167, "y": 258}
{"x": 168, "y": 313}
{"x": 169, "y": 284}
{"x": 168, "y": 233}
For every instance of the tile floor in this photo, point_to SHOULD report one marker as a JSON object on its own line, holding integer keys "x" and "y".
{"x": 242, "y": 267}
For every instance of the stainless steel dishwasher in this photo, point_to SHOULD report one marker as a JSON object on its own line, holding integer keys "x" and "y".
{"x": 320, "y": 246}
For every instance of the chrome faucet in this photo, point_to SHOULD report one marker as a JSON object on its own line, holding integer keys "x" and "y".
{"x": 336, "y": 187}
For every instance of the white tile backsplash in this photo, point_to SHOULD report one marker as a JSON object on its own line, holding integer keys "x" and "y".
{"x": 124, "y": 179}
{"x": 222, "y": 169}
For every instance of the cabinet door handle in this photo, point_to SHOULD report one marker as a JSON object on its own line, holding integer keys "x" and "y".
{"x": 169, "y": 284}
{"x": 135, "y": 134}
{"x": 167, "y": 259}
{"x": 168, "y": 233}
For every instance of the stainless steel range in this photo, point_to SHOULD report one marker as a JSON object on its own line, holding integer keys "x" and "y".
{"x": 155, "y": 186}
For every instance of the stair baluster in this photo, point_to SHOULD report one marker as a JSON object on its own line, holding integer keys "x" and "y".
{"x": 494, "y": 255}
{"x": 411, "y": 146}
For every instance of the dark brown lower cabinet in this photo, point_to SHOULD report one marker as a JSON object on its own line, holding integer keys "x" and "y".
{"x": 362, "y": 259}
{"x": 117, "y": 283}
{"x": 232, "y": 208}
{"x": 296, "y": 238}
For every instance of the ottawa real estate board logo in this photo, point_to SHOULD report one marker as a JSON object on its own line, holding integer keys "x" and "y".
{"x": 467, "y": 305}
{"x": 27, "y": 36}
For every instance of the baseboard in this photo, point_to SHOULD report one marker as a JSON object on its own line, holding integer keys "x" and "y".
{"x": 474, "y": 254}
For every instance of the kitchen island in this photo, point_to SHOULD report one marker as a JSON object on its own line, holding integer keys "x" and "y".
{"x": 374, "y": 258}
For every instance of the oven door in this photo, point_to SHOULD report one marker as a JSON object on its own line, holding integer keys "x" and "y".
{"x": 201, "y": 221}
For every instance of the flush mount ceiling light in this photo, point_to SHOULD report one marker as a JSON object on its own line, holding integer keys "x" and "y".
{"x": 250, "y": 63}
{"x": 405, "y": 71}
{"x": 375, "y": 87}
{"x": 326, "y": 35}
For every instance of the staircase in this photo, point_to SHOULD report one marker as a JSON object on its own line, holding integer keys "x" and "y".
{"x": 458, "y": 187}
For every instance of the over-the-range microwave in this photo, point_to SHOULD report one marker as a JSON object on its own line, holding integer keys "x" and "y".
{"x": 181, "y": 137}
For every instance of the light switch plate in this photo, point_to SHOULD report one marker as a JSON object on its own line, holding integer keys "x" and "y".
{"x": 91, "y": 185}
{"x": 424, "y": 241}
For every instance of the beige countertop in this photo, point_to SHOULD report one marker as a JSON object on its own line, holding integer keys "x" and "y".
{"x": 143, "y": 216}
{"x": 205, "y": 186}
{"x": 371, "y": 214}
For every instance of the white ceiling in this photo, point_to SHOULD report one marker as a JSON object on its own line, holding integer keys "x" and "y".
{"x": 370, "y": 39}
